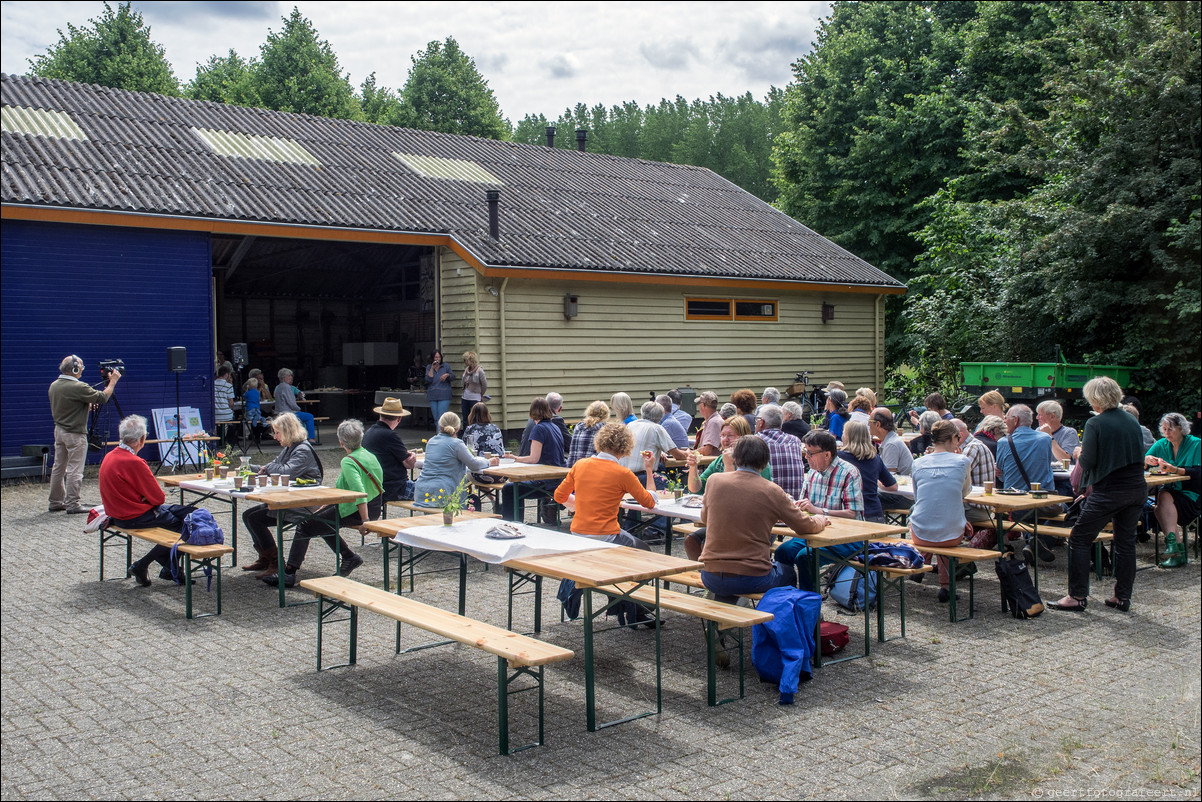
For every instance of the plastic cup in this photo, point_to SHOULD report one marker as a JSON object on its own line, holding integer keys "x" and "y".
{"x": 989, "y": 488}
{"x": 285, "y": 479}
{"x": 1035, "y": 487}
{"x": 1067, "y": 463}
{"x": 263, "y": 479}
{"x": 223, "y": 471}
{"x": 238, "y": 482}
{"x": 208, "y": 474}
{"x": 275, "y": 480}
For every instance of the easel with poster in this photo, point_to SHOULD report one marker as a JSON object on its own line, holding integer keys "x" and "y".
{"x": 166, "y": 425}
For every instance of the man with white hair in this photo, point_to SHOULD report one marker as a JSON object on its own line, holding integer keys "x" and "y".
{"x": 70, "y": 400}
{"x": 671, "y": 425}
{"x": 786, "y": 454}
{"x": 649, "y": 435}
{"x": 1065, "y": 441}
{"x": 133, "y": 498}
{"x": 795, "y": 420}
{"x": 1032, "y": 450}
{"x": 555, "y": 401}
{"x": 981, "y": 469}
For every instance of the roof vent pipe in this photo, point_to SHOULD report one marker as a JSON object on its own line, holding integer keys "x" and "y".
{"x": 494, "y": 220}
{"x": 550, "y": 136}
{"x": 582, "y": 139}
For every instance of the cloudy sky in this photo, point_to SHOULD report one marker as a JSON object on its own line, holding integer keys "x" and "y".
{"x": 537, "y": 57}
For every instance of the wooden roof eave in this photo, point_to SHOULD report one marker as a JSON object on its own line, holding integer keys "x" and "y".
{"x": 213, "y": 225}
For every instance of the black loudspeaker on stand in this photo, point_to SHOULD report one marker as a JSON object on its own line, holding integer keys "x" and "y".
{"x": 177, "y": 363}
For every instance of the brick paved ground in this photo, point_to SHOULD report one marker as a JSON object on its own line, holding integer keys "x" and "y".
{"x": 109, "y": 693}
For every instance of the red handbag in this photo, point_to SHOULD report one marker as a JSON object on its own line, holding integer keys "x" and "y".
{"x": 832, "y": 637}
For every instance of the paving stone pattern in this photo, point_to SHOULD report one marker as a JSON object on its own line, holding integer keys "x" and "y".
{"x": 108, "y": 692}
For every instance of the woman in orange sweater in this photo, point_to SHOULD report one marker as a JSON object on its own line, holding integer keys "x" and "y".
{"x": 600, "y": 483}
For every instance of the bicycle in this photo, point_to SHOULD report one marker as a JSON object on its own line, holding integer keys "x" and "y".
{"x": 812, "y": 401}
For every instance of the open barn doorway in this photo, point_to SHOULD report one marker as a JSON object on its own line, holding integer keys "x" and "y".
{"x": 348, "y": 318}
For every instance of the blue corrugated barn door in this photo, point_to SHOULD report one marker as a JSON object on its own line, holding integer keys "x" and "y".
{"x": 103, "y": 293}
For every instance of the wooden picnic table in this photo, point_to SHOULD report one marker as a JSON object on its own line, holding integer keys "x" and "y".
{"x": 520, "y": 472}
{"x": 605, "y": 567}
{"x": 293, "y": 498}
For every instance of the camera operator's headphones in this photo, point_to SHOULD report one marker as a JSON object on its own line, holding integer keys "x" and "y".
{"x": 76, "y": 365}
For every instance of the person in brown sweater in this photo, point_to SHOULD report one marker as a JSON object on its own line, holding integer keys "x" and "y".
{"x": 739, "y": 510}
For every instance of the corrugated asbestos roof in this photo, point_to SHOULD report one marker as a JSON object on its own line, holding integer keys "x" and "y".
{"x": 559, "y": 208}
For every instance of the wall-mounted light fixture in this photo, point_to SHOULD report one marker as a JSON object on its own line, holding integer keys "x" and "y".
{"x": 571, "y": 306}
{"x": 828, "y": 312}
{"x": 493, "y": 291}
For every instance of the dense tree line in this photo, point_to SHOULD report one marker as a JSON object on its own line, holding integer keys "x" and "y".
{"x": 1030, "y": 169}
{"x": 732, "y": 136}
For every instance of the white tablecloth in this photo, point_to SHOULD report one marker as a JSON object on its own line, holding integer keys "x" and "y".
{"x": 667, "y": 506}
{"x": 468, "y": 537}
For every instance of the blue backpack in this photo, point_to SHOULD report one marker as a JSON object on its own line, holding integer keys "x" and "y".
{"x": 898, "y": 555}
{"x": 199, "y": 529}
{"x": 849, "y": 589}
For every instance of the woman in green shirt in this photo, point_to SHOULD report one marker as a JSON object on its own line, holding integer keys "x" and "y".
{"x": 734, "y": 428}
{"x": 361, "y": 473}
{"x": 1177, "y": 451}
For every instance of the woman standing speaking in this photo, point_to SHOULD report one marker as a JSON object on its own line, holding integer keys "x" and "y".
{"x": 438, "y": 385}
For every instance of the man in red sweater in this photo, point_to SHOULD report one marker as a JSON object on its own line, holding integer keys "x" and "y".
{"x": 133, "y": 499}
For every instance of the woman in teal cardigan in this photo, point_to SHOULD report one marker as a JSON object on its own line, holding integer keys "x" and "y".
{"x": 1177, "y": 451}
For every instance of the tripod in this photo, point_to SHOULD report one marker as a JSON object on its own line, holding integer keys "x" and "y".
{"x": 178, "y": 448}
{"x": 98, "y": 430}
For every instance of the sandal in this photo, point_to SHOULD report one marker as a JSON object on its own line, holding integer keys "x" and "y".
{"x": 1078, "y": 607}
{"x": 1122, "y": 606}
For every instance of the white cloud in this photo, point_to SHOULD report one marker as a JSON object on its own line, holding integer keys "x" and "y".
{"x": 537, "y": 57}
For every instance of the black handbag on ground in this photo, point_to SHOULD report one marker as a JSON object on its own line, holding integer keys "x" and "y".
{"x": 1018, "y": 591}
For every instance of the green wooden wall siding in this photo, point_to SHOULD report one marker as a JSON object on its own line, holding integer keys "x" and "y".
{"x": 635, "y": 338}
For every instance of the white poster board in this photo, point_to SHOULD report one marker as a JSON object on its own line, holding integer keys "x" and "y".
{"x": 165, "y": 427}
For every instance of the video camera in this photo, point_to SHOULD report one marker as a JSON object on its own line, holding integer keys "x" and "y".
{"x": 107, "y": 366}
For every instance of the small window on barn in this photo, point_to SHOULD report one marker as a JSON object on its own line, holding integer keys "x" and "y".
{"x": 707, "y": 309}
{"x": 755, "y": 310}
{"x": 729, "y": 309}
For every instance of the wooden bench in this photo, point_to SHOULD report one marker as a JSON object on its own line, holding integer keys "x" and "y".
{"x": 489, "y": 490}
{"x": 317, "y": 428}
{"x": 718, "y": 616}
{"x": 955, "y": 555}
{"x": 197, "y": 559}
{"x": 896, "y": 578}
{"x": 1064, "y": 533}
{"x": 692, "y": 579}
{"x": 516, "y": 654}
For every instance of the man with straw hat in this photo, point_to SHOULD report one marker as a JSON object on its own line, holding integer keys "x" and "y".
{"x": 382, "y": 440}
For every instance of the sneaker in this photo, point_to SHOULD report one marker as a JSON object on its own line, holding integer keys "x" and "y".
{"x": 350, "y": 564}
{"x": 61, "y": 507}
{"x": 274, "y": 579}
{"x": 1028, "y": 555}
{"x": 944, "y": 596}
{"x": 138, "y": 572}
{"x": 78, "y": 510}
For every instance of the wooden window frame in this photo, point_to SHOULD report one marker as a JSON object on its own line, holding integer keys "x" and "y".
{"x": 731, "y": 315}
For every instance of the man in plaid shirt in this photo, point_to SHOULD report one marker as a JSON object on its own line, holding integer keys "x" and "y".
{"x": 832, "y": 488}
{"x": 785, "y": 452}
{"x": 982, "y": 469}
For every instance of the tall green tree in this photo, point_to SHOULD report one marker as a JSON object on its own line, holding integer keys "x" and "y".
{"x": 226, "y": 79}
{"x": 869, "y": 132}
{"x": 445, "y": 92}
{"x": 298, "y": 71}
{"x": 1101, "y": 253}
{"x": 380, "y": 104}
{"x": 114, "y": 49}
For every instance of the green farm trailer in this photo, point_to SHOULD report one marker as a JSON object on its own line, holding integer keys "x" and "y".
{"x": 1037, "y": 380}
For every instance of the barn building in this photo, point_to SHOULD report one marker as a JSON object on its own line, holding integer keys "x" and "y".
{"x": 135, "y": 222}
